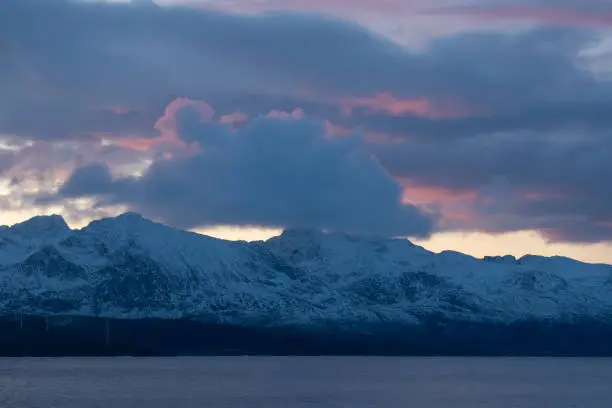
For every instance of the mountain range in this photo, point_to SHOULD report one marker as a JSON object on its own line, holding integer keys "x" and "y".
{"x": 130, "y": 269}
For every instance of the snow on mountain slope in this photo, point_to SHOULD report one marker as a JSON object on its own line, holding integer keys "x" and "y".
{"x": 132, "y": 267}
{"x": 22, "y": 239}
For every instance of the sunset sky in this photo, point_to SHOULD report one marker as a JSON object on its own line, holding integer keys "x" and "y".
{"x": 482, "y": 126}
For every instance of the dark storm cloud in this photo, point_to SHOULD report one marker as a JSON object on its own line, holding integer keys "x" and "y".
{"x": 277, "y": 173}
{"x": 567, "y": 171}
{"x": 96, "y": 58}
{"x": 533, "y": 115}
{"x": 587, "y": 116}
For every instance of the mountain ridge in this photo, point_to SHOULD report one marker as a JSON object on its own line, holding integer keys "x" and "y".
{"x": 130, "y": 267}
{"x": 58, "y": 220}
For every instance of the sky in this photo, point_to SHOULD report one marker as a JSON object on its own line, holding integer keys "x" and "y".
{"x": 481, "y": 126}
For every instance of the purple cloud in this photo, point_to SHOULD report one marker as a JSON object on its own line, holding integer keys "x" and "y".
{"x": 272, "y": 172}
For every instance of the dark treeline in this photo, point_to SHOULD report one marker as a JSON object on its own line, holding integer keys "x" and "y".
{"x": 82, "y": 336}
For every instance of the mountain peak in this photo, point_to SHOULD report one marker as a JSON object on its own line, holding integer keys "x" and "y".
{"x": 41, "y": 224}
{"x": 301, "y": 233}
{"x": 131, "y": 216}
{"x": 129, "y": 225}
{"x": 128, "y": 219}
{"x": 305, "y": 237}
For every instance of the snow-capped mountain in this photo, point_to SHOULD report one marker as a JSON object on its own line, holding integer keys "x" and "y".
{"x": 130, "y": 267}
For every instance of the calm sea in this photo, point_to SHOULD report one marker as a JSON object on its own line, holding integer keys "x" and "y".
{"x": 295, "y": 382}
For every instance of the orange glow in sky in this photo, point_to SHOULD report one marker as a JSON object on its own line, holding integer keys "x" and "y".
{"x": 386, "y": 102}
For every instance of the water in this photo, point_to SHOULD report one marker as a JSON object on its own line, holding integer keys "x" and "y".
{"x": 296, "y": 382}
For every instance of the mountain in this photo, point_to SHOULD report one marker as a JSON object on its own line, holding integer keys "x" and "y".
{"x": 131, "y": 269}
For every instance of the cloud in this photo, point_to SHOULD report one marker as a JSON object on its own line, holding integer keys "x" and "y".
{"x": 387, "y": 7}
{"x": 398, "y": 19}
{"x": 7, "y": 159}
{"x": 580, "y": 116}
{"x": 554, "y": 182}
{"x": 449, "y": 119}
{"x": 113, "y": 68}
{"x": 594, "y": 13}
{"x": 99, "y": 55}
{"x": 273, "y": 172}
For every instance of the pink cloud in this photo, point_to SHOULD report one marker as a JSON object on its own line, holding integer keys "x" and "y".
{"x": 234, "y": 118}
{"x": 168, "y": 142}
{"x": 425, "y": 194}
{"x": 433, "y": 108}
{"x": 120, "y": 110}
{"x": 166, "y": 125}
{"x": 386, "y": 102}
{"x": 341, "y": 7}
{"x": 558, "y": 16}
{"x": 456, "y": 206}
{"x": 460, "y": 207}
{"x": 335, "y": 130}
{"x": 140, "y": 144}
{"x": 297, "y": 113}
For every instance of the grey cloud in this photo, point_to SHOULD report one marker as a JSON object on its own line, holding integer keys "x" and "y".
{"x": 277, "y": 173}
{"x": 595, "y": 6}
{"x": 569, "y": 170}
{"x": 543, "y": 121}
{"x": 7, "y": 159}
{"x": 585, "y": 116}
{"x": 93, "y": 179}
{"x": 503, "y": 69}
{"x": 98, "y": 56}
{"x": 588, "y": 13}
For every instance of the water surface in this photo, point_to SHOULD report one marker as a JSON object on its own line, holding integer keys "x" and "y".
{"x": 296, "y": 382}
